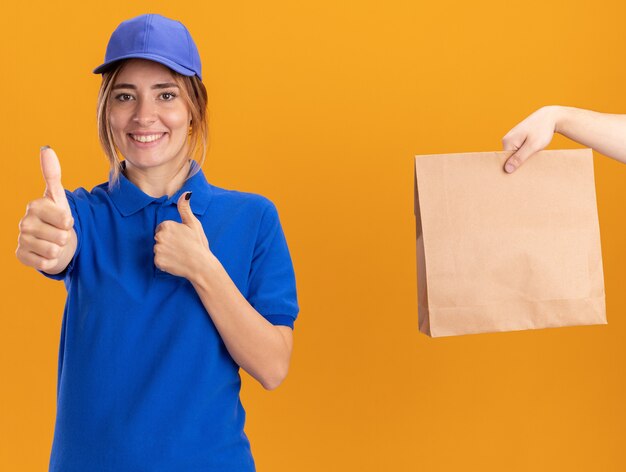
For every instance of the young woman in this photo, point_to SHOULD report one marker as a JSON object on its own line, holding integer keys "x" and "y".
{"x": 172, "y": 283}
{"x": 603, "y": 132}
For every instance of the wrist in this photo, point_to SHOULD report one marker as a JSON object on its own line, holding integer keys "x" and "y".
{"x": 203, "y": 269}
{"x": 559, "y": 116}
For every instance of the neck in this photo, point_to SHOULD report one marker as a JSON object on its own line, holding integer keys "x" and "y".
{"x": 157, "y": 182}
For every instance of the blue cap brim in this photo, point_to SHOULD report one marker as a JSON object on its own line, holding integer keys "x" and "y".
{"x": 151, "y": 57}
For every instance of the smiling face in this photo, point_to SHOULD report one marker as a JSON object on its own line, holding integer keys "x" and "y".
{"x": 148, "y": 117}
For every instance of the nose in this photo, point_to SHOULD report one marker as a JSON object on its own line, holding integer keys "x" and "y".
{"x": 145, "y": 112}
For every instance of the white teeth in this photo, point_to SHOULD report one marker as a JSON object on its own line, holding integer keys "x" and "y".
{"x": 146, "y": 139}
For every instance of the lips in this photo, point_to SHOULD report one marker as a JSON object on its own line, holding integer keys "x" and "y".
{"x": 146, "y": 138}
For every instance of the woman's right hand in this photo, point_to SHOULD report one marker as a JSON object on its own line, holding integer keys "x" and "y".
{"x": 47, "y": 240}
{"x": 531, "y": 135}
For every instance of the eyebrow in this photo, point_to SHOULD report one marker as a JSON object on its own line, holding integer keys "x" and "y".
{"x": 155, "y": 86}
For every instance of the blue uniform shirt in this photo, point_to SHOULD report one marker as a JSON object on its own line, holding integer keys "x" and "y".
{"x": 145, "y": 382}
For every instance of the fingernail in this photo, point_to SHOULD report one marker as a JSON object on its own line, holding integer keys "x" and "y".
{"x": 509, "y": 168}
{"x": 188, "y": 196}
{"x": 43, "y": 148}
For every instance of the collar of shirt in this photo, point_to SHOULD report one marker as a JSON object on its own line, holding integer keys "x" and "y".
{"x": 129, "y": 199}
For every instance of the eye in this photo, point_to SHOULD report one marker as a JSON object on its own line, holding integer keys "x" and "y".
{"x": 123, "y": 97}
{"x": 168, "y": 96}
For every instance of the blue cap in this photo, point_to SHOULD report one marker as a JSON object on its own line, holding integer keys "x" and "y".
{"x": 156, "y": 38}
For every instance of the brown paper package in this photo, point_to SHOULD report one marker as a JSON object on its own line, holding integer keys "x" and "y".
{"x": 507, "y": 252}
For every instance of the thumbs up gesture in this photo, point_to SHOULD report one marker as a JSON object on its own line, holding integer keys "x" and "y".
{"x": 181, "y": 248}
{"x": 47, "y": 240}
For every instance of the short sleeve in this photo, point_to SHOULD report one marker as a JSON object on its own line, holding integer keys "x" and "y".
{"x": 67, "y": 272}
{"x": 272, "y": 284}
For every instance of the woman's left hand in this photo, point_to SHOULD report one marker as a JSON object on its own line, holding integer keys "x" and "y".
{"x": 181, "y": 247}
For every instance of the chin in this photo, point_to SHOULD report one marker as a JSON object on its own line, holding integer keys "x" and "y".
{"x": 152, "y": 161}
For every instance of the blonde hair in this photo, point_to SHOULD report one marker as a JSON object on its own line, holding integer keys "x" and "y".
{"x": 192, "y": 91}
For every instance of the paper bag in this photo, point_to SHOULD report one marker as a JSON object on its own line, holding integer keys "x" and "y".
{"x": 505, "y": 252}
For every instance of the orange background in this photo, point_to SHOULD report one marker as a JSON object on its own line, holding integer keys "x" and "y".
{"x": 321, "y": 106}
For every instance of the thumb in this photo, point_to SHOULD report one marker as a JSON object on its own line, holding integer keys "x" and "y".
{"x": 51, "y": 169}
{"x": 518, "y": 157}
{"x": 184, "y": 208}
